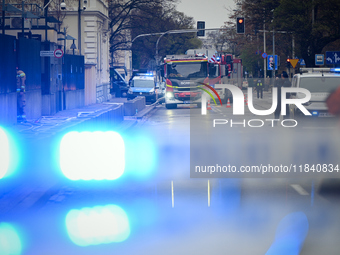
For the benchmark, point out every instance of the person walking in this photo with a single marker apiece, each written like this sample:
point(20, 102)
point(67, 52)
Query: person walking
point(279, 83)
point(259, 88)
point(21, 100)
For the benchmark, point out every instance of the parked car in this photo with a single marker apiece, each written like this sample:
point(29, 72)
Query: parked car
point(119, 85)
point(320, 82)
point(144, 86)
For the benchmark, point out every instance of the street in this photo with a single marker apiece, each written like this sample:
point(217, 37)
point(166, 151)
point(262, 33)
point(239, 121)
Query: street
point(160, 205)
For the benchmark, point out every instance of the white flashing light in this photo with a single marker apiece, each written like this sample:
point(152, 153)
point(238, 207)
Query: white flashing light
point(4, 153)
point(92, 155)
point(336, 70)
point(315, 113)
point(200, 55)
point(10, 243)
point(97, 225)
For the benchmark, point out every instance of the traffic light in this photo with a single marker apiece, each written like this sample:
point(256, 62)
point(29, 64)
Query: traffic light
point(240, 25)
point(288, 63)
point(200, 25)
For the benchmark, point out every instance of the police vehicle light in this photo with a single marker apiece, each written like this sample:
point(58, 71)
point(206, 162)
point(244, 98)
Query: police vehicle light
point(337, 70)
point(97, 225)
point(92, 155)
point(218, 58)
point(10, 240)
point(314, 113)
point(4, 153)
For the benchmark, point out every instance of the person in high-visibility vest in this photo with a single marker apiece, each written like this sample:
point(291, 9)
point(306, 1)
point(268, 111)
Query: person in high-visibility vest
point(259, 88)
point(21, 101)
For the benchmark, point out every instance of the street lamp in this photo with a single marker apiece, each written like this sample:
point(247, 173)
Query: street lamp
point(80, 9)
point(79, 22)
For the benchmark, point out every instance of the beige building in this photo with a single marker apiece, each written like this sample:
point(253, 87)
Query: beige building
point(93, 43)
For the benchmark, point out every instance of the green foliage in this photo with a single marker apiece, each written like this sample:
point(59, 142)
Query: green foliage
point(312, 33)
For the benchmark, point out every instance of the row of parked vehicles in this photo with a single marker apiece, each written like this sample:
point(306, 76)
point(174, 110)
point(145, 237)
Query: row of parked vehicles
point(141, 84)
point(176, 86)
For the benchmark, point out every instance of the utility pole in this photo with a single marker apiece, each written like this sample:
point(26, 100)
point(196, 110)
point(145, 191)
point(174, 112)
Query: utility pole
point(79, 28)
point(273, 71)
point(3, 17)
point(264, 50)
point(23, 19)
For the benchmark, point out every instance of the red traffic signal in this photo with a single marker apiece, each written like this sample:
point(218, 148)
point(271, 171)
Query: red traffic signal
point(240, 29)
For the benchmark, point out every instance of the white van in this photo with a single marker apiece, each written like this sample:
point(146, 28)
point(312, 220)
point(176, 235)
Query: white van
point(320, 82)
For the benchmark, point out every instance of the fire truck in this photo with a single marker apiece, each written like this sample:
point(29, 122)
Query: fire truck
point(227, 62)
point(219, 70)
point(184, 76)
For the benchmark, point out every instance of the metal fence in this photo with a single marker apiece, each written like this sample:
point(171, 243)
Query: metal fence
point(29, 61)
point(73, 72)
point(7, 64)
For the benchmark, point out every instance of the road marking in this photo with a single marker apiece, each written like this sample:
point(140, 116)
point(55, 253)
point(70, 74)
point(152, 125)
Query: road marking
point(208, 193)
point(328, 128)
point(299, 189)
point(172, 194)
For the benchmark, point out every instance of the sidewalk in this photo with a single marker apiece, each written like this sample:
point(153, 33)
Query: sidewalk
point(110, 113)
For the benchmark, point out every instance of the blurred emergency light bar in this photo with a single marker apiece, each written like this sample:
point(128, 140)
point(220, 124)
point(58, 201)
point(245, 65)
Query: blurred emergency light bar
point(10, 240)
point(92, 155)
point(4, 153)
point(97, 225)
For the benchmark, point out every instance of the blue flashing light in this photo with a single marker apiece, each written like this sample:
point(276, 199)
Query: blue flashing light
point(10, 243)
point(97, 225)
point(218, 58)
point(145, 74)
point(4, 153)
point(92, 155)
point(141, 160)
point(290, 235)
point(337, 70)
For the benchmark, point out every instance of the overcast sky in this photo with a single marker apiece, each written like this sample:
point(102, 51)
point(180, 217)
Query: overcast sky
point(213, 12)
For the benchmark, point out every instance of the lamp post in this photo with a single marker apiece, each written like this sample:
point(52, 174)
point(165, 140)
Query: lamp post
point(79, 27)
point(80, 9)
point(3, 16)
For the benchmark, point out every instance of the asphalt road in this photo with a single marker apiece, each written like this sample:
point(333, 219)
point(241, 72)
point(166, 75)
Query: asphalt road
point(161, 206)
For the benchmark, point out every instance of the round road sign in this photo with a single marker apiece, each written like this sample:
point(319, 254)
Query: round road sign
point(58, 53)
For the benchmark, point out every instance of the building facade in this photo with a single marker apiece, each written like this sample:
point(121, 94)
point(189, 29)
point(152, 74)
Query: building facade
point(92, 36)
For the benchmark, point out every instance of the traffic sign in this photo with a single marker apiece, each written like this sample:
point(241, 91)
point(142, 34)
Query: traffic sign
point(47, 53)
point(264, 55)
point(319, 59)
point(332, 57)
point(294, 61)
point(271, 60)
point(58, 53)
point(302, 62)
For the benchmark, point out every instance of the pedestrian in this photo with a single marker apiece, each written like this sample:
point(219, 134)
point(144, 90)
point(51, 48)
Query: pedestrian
point(21, 101)
point(279, 83)
point(259, 88)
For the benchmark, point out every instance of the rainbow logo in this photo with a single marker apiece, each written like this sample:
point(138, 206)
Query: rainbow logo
point(209, 93)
